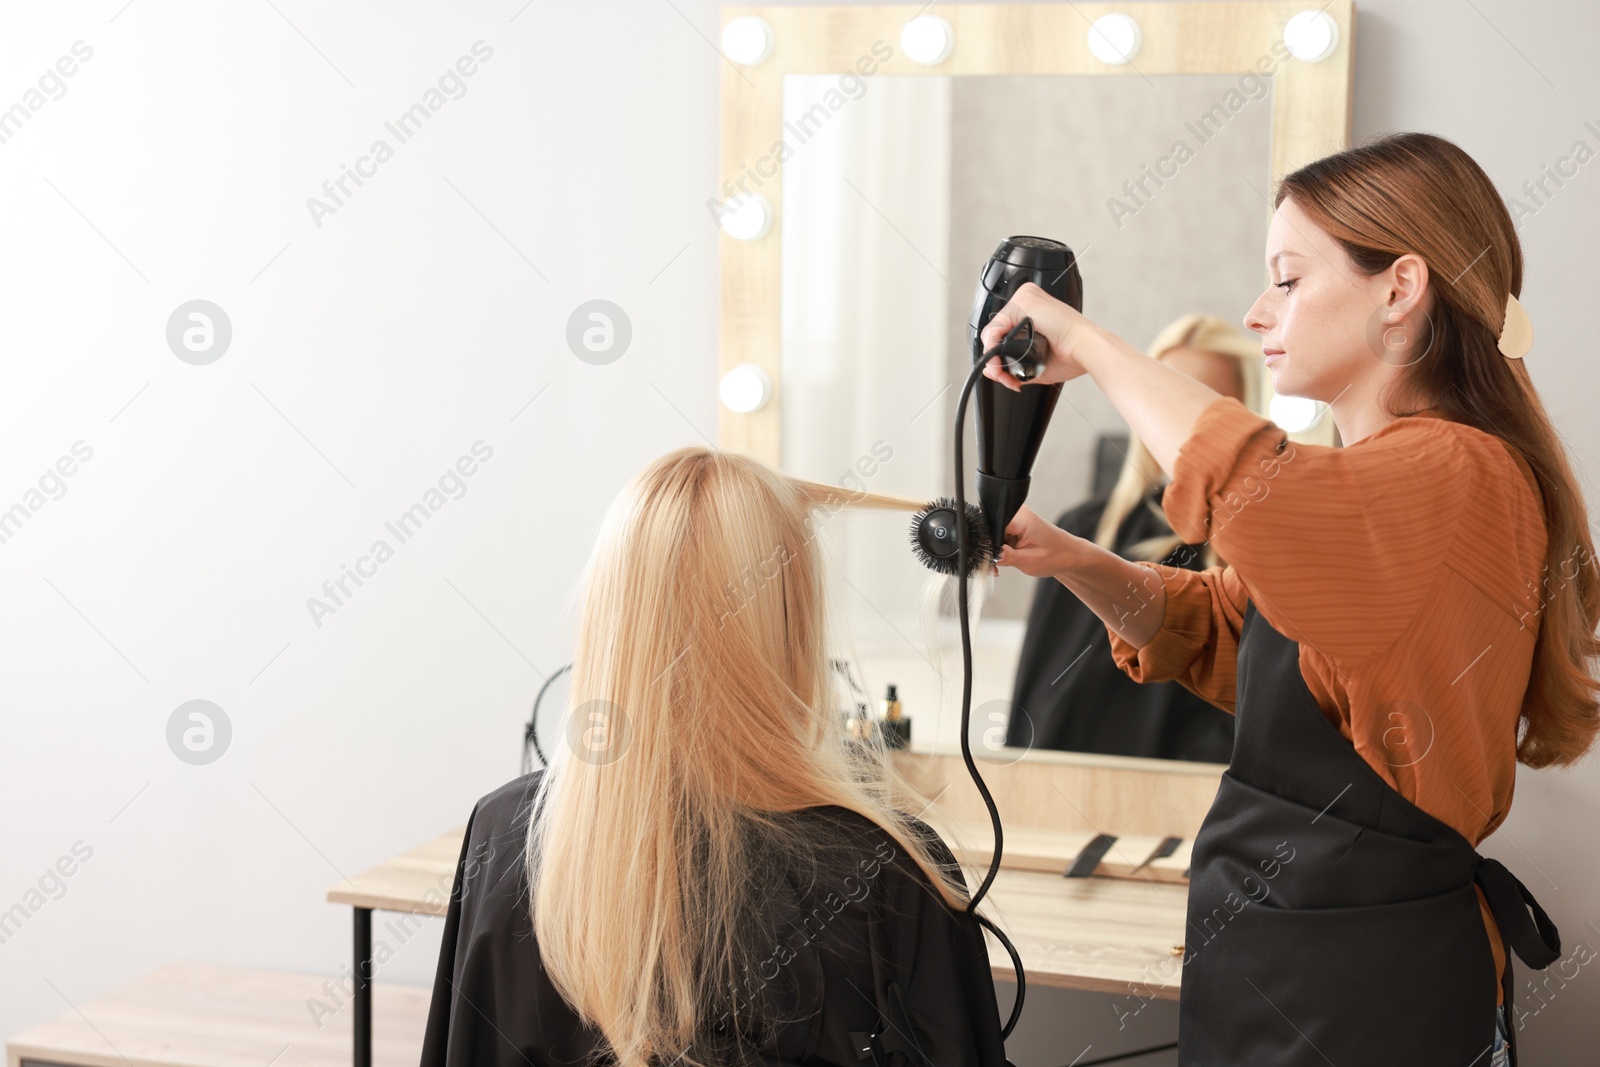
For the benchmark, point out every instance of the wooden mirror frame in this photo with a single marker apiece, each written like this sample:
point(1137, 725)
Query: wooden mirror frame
point(1310, 118)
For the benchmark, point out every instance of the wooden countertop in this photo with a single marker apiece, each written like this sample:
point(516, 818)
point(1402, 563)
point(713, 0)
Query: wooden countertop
point(417, 880)
point(1108, 934)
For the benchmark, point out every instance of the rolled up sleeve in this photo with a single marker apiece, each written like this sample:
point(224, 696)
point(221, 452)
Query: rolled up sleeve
point(1198, 643)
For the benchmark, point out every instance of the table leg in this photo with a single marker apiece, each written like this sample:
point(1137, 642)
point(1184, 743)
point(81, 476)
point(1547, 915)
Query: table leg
point(362, 1003)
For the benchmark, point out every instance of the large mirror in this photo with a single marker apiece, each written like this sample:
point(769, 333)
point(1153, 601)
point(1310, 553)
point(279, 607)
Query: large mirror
point(895, 189)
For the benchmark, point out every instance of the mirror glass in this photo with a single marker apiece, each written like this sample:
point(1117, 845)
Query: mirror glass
point(895, 192)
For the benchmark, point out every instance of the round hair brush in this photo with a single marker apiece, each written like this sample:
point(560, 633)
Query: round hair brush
point(933, 537)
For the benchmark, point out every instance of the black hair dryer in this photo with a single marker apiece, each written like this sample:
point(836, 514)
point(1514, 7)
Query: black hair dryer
point(1011, 425)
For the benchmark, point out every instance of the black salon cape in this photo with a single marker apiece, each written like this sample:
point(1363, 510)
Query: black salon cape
point(494, 1006)
point(1069, 692)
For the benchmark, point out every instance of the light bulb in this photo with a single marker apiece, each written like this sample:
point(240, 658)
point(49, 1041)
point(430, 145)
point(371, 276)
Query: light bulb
point(1311, 36)
point(1115, 39)
point(748, 40)
point(747, 217)
point(1293, 413)
point(745, 388)
point(927, 39)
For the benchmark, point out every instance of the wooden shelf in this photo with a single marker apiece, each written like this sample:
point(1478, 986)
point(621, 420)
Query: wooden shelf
point(1032, 848)
point(195, 1015)
point(1068, 791)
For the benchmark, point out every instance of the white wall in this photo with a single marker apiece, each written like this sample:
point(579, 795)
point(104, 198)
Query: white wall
point(372, 351)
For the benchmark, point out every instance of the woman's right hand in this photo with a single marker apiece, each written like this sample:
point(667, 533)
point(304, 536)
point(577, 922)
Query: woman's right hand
point(1035, 547)
point(1063, 327)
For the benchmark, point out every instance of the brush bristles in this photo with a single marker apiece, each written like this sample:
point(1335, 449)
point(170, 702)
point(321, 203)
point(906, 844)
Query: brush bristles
point(980, 546)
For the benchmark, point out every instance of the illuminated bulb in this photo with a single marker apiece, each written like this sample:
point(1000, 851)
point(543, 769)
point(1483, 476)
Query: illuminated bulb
point(1311, 35)
point(746, 388)
point(1115, 39)
point(927, 39)
point(747, 217)
point(1293, 413)
point(748, 40)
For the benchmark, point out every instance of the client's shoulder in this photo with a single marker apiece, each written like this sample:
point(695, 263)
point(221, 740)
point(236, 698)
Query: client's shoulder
point(870, 842)
point(852, 821)
point(508, 805)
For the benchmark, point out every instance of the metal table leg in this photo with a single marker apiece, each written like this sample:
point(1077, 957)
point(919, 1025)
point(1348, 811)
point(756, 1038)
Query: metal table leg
point(362, 1002)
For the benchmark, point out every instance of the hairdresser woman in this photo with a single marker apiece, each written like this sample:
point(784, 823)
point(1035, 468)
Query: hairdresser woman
point(1402, 619)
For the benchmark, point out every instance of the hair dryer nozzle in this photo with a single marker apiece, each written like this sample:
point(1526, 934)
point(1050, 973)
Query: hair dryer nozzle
point(1001, 498)
point(934, 532)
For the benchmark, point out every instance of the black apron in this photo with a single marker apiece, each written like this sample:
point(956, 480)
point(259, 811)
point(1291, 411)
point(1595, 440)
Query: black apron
point(1330, 920)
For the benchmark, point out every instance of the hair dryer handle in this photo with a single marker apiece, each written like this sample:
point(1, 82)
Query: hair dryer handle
point(1011, 425)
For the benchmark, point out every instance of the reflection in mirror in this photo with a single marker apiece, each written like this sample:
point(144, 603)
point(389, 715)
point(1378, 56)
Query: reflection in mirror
point(894, 195)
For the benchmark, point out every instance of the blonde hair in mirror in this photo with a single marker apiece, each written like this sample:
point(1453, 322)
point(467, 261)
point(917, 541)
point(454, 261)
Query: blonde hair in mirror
point(1141, 473)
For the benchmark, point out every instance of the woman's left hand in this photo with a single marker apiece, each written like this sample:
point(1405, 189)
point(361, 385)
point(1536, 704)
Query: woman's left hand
point(1062, 326)
point(1035, 546)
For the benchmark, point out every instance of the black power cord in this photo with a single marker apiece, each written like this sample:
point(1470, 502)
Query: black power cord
point(998, 538)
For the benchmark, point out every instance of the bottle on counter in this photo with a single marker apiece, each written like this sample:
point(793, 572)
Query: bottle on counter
point(895, 724)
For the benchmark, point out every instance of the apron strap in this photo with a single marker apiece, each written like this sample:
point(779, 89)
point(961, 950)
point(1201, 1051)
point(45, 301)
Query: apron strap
point(1536, 940)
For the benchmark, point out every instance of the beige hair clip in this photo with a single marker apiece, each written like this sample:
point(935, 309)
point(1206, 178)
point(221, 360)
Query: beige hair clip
point(1516, 335)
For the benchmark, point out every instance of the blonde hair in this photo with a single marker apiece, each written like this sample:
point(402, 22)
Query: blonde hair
point(1140, 471)
point(702, 662)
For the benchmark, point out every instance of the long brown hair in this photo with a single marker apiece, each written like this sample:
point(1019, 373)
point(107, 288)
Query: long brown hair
point(1418, 193)
point(700, 715)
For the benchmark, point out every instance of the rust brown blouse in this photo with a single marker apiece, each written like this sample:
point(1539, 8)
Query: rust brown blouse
point(1406, 565)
